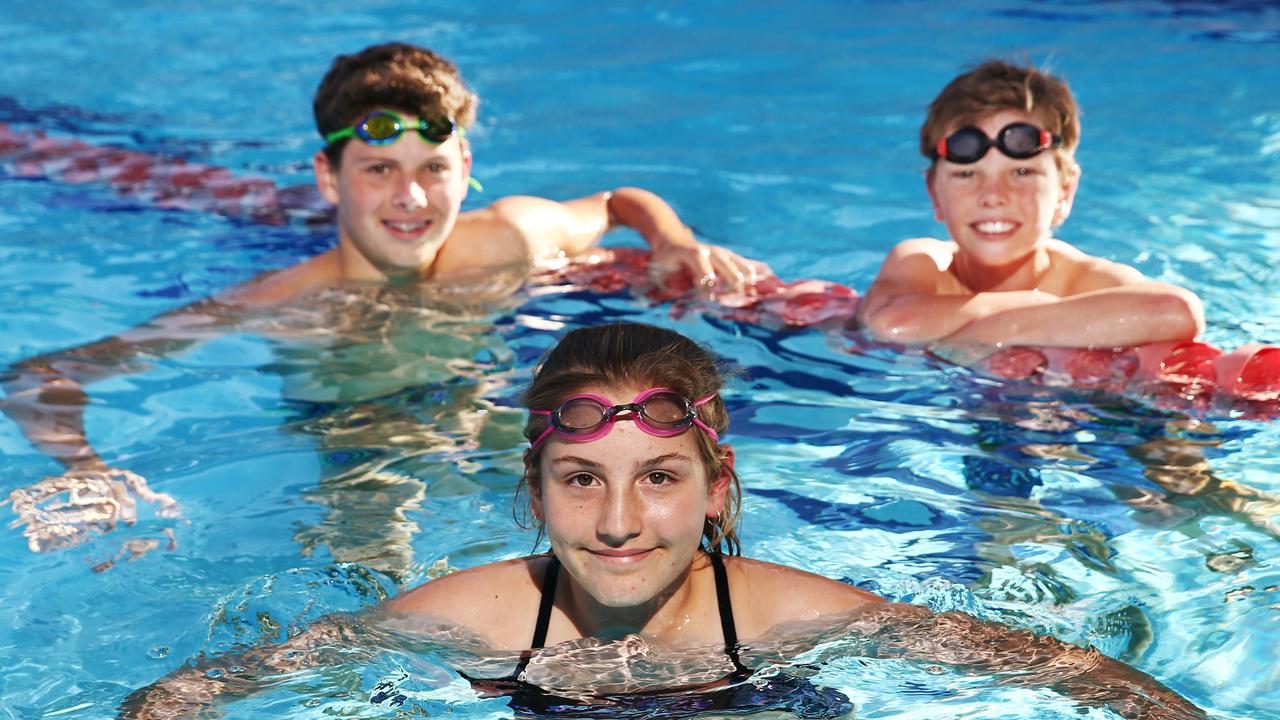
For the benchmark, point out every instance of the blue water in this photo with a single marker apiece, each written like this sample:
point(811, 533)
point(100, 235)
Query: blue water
point(785, 131)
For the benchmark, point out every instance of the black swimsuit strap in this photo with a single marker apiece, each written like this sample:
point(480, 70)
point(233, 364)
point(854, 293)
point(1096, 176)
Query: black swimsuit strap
point(727, 626)
point(723, 602)
point(548, 601)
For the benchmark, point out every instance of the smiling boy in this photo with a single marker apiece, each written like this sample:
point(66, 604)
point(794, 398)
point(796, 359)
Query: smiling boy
point(1001, 139)
point(397, 164)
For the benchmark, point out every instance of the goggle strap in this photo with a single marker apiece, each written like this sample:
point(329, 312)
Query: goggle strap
point(715, 436)
point(336, 135)
point(550, 427)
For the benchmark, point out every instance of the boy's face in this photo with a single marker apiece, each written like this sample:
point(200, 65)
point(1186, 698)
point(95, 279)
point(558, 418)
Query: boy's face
point(397, 203)
point(1000, 209)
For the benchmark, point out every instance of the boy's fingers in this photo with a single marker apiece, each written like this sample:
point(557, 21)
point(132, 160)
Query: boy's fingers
point(704, 268)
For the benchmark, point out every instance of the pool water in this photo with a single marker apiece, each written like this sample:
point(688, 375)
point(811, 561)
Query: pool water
point(319, 472)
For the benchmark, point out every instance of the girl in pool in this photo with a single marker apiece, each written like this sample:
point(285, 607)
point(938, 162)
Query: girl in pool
point(628, 480)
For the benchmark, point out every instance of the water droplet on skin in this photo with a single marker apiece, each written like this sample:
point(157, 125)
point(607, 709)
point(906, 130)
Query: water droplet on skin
point(215, 674)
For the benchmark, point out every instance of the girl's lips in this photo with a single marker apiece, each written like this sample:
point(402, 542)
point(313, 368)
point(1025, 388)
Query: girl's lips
point(621, 557)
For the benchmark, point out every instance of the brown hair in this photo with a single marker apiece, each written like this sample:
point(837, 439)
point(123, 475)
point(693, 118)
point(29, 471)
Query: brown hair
point(394, 76)
point(644, 356)
point(996, 85)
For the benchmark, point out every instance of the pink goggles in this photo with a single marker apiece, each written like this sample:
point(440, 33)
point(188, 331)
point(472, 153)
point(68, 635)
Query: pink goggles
point(656, 411)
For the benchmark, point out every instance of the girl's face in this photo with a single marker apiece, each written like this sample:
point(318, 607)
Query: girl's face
point(625, 512)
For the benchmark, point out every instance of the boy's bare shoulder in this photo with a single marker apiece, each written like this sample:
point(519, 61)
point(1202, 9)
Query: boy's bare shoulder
point(915, 262)
point(484, 238)
point(280, 286)
point(941, 252)
point(1079, 272)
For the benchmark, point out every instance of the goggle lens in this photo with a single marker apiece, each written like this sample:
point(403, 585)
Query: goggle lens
point(379, 128)
point(582, 415)
point(1019, 141)
point(666, 411)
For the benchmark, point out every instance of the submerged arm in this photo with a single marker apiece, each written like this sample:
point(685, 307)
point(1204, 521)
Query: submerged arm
point(45, 396)
point(955, 638)
point(331, 640)
point(186, 691)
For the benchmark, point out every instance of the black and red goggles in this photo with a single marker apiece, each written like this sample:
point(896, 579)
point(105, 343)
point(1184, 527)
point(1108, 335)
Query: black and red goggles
point(1019, 141)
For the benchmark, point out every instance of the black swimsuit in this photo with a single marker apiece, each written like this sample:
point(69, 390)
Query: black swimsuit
point(780, 692)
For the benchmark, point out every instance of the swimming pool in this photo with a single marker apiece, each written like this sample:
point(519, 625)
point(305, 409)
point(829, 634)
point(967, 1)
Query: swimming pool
point(788, 133)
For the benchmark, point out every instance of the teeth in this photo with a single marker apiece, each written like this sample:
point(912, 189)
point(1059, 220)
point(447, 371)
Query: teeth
point(994, 227)
point(404, 227)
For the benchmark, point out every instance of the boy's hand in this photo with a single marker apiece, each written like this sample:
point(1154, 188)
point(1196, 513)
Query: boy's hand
point(64, 510)
point(711, 268)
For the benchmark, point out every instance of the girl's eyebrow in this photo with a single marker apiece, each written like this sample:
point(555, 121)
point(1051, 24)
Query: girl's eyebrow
point(645, 464)
point(575, 460)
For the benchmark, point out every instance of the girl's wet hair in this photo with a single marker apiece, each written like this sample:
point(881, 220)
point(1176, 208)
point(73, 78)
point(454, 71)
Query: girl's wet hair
point(639, 356)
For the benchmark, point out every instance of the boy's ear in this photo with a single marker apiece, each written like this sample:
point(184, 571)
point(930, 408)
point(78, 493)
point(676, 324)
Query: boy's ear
point(1067, 193)
point(326, 176)
point(466, 162)
point(933, 196)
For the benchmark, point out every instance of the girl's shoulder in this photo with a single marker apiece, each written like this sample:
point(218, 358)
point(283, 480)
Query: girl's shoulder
point(766, 595)
point(497, 601)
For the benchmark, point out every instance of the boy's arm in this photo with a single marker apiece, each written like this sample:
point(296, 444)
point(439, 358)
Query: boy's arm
point(1122, 316)
point(549, 228)
point(1108, 304)
point(45, 396)
point(909, 301)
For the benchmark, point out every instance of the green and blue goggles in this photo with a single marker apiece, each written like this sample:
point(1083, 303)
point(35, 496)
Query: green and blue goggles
point(383, 127)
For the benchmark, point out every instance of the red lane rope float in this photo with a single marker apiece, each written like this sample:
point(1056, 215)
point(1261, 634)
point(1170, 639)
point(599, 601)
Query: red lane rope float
point(1185, 375)
point(1188, 375)
point(771, 302)
point(169, 183)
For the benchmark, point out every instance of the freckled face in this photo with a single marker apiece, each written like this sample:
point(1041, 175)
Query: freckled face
point(1000, 209)
point(397, 203)
point(625, 513)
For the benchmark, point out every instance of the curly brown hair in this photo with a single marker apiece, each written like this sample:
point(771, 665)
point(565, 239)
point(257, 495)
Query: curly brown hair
point(393, 76)
point(997, 85)
point(645, 356)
